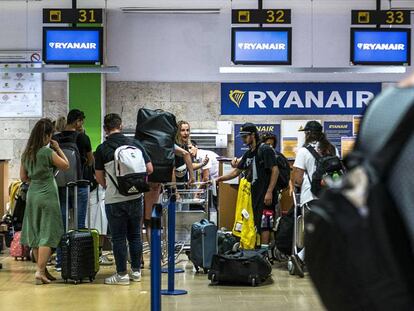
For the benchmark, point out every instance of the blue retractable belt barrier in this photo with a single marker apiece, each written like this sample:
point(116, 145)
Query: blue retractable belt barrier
point(171, 251)
point(156, 257)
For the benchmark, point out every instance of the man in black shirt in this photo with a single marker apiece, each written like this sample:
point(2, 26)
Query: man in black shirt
point(260, 168)
point(74, 132)
point(124, 213)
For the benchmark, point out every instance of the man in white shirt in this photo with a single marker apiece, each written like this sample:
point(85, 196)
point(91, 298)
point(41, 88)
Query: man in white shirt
point(304, 167)
point(210, 168)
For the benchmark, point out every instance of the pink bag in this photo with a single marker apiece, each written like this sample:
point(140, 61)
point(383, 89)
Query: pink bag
point(17, 250)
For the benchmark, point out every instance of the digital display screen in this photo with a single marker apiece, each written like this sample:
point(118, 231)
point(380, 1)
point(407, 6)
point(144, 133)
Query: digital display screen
point(72, 45)
point(380, 46)
point(268, 46)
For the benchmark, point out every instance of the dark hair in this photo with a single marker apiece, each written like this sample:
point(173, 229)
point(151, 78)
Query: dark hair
point(75, 115)
point(324, 147)
point(42, 129)
point(112, 121)
point(268, 135)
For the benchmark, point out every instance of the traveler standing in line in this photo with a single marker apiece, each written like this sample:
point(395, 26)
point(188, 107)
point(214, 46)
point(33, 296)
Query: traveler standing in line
point(42, 224)
point(124, 213)
point(262, 172)
point(60, 124)
point(182, 140)
point(303, 169)
point(74, 133)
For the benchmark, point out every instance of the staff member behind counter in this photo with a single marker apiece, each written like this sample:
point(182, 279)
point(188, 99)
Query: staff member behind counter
point(261, 170)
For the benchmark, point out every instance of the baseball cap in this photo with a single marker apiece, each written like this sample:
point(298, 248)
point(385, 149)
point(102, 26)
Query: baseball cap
point(247, 129)
point(312, 126)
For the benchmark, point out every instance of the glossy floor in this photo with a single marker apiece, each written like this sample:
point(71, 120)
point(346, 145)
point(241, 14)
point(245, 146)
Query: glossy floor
point(18, 292)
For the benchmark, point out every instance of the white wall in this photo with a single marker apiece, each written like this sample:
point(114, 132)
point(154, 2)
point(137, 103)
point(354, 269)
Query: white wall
point(193, 47)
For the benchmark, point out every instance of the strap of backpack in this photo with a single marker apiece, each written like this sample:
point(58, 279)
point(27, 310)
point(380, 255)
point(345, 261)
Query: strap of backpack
point(387, 156)
point(313, 152)
point(112, 179)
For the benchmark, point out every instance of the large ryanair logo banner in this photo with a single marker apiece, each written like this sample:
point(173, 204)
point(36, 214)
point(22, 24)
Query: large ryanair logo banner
point(297, 98)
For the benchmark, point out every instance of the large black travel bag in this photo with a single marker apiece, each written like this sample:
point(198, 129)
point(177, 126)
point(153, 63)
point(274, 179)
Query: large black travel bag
point(156, 130)
point(242, 267)
point(358, 251)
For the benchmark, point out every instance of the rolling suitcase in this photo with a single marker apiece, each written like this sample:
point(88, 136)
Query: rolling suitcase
point(203, 244)
point(243, 267)
point(80, 248)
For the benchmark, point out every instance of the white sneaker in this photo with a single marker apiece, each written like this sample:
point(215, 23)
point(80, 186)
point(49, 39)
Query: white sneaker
point(135, 276)
point(117, 279)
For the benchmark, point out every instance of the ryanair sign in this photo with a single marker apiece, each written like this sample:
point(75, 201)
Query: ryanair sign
point(297, 98)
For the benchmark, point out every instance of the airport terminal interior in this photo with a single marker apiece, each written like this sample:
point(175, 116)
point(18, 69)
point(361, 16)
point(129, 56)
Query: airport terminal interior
point(183, 155)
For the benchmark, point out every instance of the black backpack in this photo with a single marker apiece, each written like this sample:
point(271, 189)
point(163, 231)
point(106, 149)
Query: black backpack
point(325, 166)
point(156, 130)
point(282, 164)
point(284, 232)
point(69, 147)
point(358, 251)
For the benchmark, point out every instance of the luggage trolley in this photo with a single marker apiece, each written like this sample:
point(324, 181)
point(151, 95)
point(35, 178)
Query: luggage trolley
point(192, 205)
point(298, 229)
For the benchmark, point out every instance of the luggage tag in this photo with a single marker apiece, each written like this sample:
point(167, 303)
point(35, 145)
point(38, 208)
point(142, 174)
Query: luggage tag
point(245, 214)
point(238, 227)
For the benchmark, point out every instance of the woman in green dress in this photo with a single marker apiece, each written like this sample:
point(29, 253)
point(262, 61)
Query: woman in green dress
point(42, 223)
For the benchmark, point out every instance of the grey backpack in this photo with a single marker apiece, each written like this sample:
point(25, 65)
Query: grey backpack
point(71, 151)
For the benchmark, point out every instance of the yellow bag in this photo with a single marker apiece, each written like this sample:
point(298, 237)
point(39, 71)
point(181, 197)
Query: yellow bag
point(14, 189)
point(244, 227)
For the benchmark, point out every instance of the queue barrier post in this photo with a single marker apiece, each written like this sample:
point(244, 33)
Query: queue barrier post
point(171, 291)
point(156, 257)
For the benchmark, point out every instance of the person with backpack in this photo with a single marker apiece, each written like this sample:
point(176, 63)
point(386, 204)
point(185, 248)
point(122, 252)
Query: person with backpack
point(77, 147)
point(42, 222)
point(260, 169)
point(308, 172)
point(122, 167)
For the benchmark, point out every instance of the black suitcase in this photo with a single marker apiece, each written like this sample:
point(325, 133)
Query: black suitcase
point(243, 267)
point(78, 250)
point(156, 130)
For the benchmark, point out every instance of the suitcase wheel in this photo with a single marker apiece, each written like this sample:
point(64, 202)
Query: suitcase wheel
point(76, 282)
point(91, 279)
point(205, 270)
point(254, 282)
point(214, 279)
point(291, 267)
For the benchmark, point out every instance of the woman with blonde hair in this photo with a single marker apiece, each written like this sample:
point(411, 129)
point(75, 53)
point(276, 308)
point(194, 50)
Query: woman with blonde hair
point(42, 223)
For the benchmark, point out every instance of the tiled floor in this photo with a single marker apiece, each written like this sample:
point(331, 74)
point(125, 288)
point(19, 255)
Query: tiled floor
point(17, 292)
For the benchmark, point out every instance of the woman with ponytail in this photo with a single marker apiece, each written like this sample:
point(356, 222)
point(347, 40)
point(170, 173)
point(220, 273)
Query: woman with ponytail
point(42, 223)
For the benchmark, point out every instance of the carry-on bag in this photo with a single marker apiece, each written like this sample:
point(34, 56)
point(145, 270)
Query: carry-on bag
point(80, 248)
point(358, 248)
point(243, 267)
point(226, 242)
point(18, 250)
point(156, 130)
point(203, 244)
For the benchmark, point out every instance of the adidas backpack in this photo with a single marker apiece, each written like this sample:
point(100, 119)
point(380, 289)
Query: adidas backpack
point(130, 171)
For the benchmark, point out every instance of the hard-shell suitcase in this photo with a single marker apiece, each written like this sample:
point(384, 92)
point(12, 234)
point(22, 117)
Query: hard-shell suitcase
point(203, 244)
point(243, 267)
point(80, 248)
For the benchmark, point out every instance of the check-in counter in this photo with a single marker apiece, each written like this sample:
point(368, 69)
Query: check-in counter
point(228, 198)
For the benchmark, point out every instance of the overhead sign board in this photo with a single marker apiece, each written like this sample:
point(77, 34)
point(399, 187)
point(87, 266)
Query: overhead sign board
point(297, 98)
point(72, 16)
point(266, 16)
point(63, 45)
point(266, 46)
point(373, 17)
point(388, 46)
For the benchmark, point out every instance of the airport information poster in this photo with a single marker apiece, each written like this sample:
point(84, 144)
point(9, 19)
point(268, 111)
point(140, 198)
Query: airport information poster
point(336, 130)
point(20, 93)
point(292, 138)
point(240, 148)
